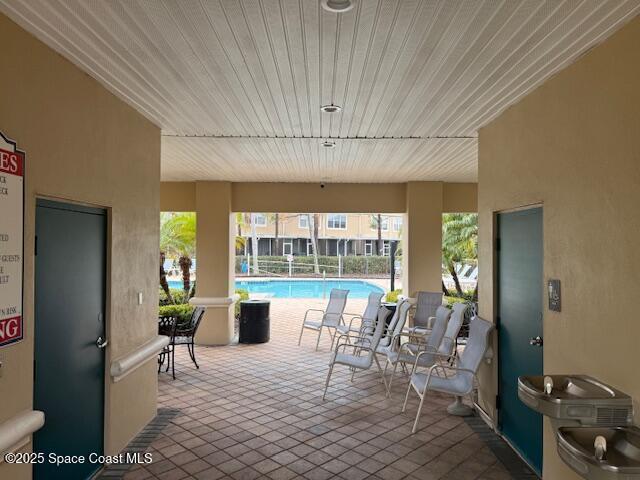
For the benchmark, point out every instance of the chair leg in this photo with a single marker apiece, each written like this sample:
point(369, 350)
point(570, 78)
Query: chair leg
point(318, 341)
point(173, 362)
point(300, 337)
point(406, 397)
point(393, 372)
point(415, 424)
point(333, 338)
point(171, 347)
point(380, 370)
point(192, 353)
point(326, 384)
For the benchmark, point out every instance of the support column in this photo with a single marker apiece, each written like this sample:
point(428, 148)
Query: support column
point(422, 238)
point(215, 257)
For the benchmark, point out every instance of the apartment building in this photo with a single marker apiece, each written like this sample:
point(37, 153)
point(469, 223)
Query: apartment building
point(347, 233)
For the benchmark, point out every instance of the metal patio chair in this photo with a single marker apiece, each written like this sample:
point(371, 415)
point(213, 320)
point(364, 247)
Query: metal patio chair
point(179, 334)
point(458, 379)
point(427, 304)
point(331, 318)
point(367, 319)
point(362, 350)
point(442, 341)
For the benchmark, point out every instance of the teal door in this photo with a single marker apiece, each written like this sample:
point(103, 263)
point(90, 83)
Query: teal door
point(520, 287)
point(69, 370)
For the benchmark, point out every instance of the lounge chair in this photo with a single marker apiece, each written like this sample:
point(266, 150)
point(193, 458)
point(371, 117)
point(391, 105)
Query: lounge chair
point(362, 350)
point(367, 319)
point(442, 341)
point(458, 379)
point(331, 317)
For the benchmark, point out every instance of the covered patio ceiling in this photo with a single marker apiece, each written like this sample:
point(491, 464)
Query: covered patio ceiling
point(237, 86)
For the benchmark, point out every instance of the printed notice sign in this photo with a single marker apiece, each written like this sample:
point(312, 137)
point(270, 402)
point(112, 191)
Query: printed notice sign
point(11, 241)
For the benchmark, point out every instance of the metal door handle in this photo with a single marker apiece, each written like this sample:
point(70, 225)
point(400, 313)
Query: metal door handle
point(100, 343)
point(536, 341)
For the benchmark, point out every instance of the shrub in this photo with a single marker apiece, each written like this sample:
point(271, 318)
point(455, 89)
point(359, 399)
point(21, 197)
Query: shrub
point(179, 297)
point(244, 295)
point(181, 312)
point(392, 296)
point(351, 265)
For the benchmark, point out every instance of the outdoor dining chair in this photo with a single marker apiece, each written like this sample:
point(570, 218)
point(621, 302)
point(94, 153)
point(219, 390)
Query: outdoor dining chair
point(367, 319)
point(362, 350)
point(457, 379)
point(331, 317)
point(441, 342)
point(179, 334)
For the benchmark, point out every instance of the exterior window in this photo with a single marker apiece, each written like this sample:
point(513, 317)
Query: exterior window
point(303, 221)
point(337, 221)
point(287, 247)
point(368, 247)
point(397, 224)
point(260, 219)
point(386, 248)
point(384, 222)
point(309, 248)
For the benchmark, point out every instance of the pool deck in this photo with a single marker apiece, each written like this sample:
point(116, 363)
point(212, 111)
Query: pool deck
point(256, 411)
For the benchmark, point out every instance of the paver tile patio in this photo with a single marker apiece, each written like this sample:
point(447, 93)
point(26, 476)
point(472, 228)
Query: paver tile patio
point(256, 411)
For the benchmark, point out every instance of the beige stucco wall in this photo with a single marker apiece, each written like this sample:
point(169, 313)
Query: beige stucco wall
point(84, 145)
point(573, 145)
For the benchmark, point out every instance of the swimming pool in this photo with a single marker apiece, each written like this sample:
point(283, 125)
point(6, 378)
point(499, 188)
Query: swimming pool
point(301, 288)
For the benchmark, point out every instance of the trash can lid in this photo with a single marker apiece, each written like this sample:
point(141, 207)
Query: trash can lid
point(255, 300)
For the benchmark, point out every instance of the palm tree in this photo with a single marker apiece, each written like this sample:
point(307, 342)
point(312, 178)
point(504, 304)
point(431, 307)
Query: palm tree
point(459, 243)
point(312, 223)
point(183, 230)
point(240, 240)
point(167, 246)
point(376, 222)
point(254, 243)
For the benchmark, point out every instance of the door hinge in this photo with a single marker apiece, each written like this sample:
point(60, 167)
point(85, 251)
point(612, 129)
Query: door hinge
point(35, 248)
point(498, 406)
point(497, 244)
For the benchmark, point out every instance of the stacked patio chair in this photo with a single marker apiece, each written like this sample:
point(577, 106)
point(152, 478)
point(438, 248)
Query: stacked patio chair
point(439, 345)
point(367, 319)
point(457, 379)
point(331, 317)
point(362, 350)
point(426, 306)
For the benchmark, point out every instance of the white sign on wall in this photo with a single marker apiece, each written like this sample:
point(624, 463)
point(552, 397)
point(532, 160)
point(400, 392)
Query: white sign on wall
point(11, 241)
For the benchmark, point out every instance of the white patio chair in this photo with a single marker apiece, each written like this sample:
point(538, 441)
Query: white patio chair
point(396, 324)
point(363, 350)
point(456, 380)
point(441, 341)
point(367, 319)
point(331, 316)
point(427, 305)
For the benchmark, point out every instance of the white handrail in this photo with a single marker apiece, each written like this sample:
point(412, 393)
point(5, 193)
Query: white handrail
point(14, 432)
point(124, 366)
point(214, 302)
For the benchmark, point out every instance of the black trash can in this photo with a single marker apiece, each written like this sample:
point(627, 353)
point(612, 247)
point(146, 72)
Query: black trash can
point(254, 321)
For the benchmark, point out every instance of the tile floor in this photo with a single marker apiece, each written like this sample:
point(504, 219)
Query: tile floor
point(255, 411)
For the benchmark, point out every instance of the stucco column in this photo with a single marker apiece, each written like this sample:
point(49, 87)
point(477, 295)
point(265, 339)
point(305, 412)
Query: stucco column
point(215, 259)
point(422, 238)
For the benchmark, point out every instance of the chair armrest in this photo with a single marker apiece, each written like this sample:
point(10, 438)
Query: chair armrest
point(312, 310)
point(358, 338)
point(441, 356)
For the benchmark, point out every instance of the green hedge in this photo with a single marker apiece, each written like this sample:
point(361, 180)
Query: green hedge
point(351, 265)
point(182, 312)
point(392, 297)
point(179, 296)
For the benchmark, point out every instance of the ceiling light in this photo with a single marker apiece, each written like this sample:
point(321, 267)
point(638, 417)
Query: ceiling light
point(337, 6)
point(328, 144)
point(331, 108)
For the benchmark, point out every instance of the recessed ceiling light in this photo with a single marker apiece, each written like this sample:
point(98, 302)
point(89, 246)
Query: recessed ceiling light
point(328, 144)
point(337, 6)
point(331, 108)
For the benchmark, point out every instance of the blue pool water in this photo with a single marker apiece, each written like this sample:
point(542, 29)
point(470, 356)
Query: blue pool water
point(302, 288)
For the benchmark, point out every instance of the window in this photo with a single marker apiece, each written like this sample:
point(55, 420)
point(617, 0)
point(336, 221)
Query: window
point(303, 221)
point(384, 223)
point(309, 248)
point(368, 247)
point(397, 224)
point(287, 247)
point(260, 219)
point(337, 221)
point(386, 248)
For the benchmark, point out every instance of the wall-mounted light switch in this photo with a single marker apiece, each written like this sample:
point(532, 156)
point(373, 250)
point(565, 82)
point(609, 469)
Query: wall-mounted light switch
point(139, 298)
